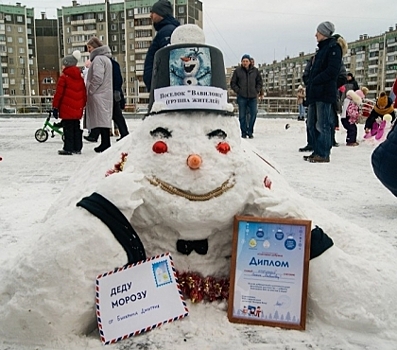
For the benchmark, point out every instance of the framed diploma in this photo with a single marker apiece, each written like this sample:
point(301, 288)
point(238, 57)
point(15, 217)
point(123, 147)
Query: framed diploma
point(269, 272)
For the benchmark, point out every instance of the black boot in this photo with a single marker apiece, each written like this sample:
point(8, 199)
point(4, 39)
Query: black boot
point(105, 140)
point(307, 148)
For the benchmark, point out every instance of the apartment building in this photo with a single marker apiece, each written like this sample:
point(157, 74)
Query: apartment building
point(31, 49)
point(372, 60)
point(126, 28)
point(18, 74)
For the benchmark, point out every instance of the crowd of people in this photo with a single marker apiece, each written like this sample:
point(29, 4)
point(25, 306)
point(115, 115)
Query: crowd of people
point(329, 92)
point(95, 94)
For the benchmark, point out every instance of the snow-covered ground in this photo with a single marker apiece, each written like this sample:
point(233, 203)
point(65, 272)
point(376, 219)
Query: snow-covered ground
point(32, 175)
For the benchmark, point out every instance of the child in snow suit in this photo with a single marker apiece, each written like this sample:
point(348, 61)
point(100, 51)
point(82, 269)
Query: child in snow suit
point(383, 106)
point(350, 115)
point(69, 102)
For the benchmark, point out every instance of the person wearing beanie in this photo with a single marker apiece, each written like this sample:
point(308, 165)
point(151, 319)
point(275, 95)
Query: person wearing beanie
point(69, 102)
point(322, 92)
point(247, 83)
point(164, 24)
point(99, 86)
point(326, 29)
point(384, 105)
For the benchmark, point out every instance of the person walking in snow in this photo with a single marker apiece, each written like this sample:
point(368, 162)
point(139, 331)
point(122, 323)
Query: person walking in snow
point(247, 83)
point(69, 101)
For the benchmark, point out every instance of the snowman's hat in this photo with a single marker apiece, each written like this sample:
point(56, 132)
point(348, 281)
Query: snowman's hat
point(188, 75)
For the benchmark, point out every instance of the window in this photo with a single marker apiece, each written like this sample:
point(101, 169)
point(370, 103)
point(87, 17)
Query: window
point(20, 29)
point(8, 18)
point(130, 13)
point(28, 20)
point(9, 39)
point(114, 37)
point(10, 49)
point(131, 35)
point(21, 50)
point(12, 92)
point(19, 19)
point(114, 48)
point(181, 9)
point(122, 26)
point(12, 81)
point(132, 57)
point(101, 27)
point(20, 40)
point(113, 27)
point(12, 71)
point(102, 38)
point(8, 28)
point(113, 16)
point(123, 48)
point(100, 16)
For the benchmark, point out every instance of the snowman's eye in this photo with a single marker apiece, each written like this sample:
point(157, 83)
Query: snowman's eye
point(161, 132)
point(217, 133)
point(223, 147)
point(160, 147)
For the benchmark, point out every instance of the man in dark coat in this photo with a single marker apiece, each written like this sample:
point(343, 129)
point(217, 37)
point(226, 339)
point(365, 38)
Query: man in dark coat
point(164, 24)
point(384, 160)
point(321, 92)
point(247, 83)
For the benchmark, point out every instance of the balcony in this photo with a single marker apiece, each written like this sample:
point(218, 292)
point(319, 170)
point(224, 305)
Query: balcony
point(83, 21)
point(89, 32)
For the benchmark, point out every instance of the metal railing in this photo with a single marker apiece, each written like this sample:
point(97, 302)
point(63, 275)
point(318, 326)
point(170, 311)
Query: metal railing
point(41, 104)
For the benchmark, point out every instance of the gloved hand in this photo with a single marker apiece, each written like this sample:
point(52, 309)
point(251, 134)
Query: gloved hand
point(55, 113)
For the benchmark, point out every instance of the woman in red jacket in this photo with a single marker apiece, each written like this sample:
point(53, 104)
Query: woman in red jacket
point(69, 102)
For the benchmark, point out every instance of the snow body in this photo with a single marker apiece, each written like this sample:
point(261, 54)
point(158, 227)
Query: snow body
point(48, 292)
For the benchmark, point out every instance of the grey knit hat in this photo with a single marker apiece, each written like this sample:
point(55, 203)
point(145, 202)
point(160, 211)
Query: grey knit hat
point(71, 60)
point(326, 29)
point(163, 8)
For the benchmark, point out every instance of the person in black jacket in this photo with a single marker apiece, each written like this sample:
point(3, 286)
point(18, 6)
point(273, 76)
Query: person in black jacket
point(164, 24)
point(247, 83)
point(384, 160)
point(321, 92)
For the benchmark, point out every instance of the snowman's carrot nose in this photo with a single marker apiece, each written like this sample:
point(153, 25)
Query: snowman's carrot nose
point(194, 161)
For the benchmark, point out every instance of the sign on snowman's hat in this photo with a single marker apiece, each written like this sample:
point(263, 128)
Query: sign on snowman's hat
point(189, 75)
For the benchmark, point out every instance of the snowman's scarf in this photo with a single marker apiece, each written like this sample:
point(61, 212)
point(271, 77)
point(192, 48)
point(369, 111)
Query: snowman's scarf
point(122, 230)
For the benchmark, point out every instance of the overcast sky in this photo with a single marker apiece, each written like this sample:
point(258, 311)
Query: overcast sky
point(270, 30)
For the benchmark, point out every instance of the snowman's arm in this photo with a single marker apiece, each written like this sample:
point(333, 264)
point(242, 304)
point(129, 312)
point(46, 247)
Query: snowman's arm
point(123, 190)
point(279, 206)
point(175, 73)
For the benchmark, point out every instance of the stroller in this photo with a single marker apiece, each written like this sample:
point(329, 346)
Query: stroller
point(41, 135)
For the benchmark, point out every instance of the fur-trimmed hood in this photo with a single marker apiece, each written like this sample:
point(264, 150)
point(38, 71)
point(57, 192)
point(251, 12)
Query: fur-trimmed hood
point(342, 43)
point(101, 50)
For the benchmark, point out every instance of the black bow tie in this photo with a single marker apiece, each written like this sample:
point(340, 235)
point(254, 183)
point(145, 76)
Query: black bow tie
point(186, 247)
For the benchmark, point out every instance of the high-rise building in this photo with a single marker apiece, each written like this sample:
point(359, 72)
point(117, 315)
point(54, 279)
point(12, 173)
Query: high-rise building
point(126, 28)
point(18, 76)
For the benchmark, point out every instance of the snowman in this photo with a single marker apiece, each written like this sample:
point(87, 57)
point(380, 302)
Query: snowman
point(179, 180)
